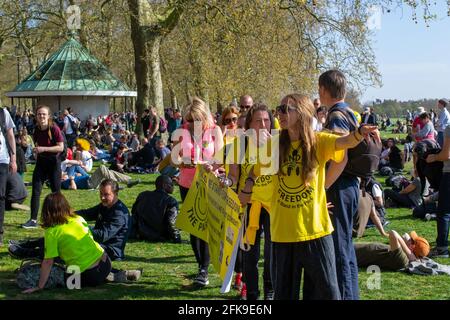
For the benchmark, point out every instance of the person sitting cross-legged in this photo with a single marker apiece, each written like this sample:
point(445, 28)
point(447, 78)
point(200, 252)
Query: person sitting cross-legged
point(154, 213)
point(110, 231)
point(68, 237)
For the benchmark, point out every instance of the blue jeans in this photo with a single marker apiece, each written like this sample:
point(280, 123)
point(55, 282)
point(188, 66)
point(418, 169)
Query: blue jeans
point(28, 153)
point(170, 171)
point(103, 154)
point(80, 181)
point(344, 194)
point(443, 215)
point(73, 170)
point(317, 258)
point(440, 138)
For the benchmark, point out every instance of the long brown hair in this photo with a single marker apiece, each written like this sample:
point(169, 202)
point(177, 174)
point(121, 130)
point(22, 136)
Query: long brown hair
point(50, 120)
point(55, 210)
point(305, 110)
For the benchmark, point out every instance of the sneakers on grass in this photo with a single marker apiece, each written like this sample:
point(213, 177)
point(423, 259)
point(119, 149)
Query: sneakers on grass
point(438, 253)
point(19, 206)
point(30, 224)
point(201, 279)
point(132, 183)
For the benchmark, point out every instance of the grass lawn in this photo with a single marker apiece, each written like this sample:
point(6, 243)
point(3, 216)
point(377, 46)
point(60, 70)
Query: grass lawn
point(170, 268)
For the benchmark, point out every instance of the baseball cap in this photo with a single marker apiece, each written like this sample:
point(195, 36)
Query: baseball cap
point(421, 245)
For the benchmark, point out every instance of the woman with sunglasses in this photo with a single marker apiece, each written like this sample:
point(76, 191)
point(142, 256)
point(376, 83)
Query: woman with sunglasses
point(258, 123)
point(229, 126)
point(299, 220)
point(199, 140)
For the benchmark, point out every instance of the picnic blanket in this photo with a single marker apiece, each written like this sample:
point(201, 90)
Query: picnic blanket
point(427, 267)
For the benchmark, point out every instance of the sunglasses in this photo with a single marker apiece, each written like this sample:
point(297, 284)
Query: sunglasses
point(245, 107)
point(229, 120)
point(284, 109)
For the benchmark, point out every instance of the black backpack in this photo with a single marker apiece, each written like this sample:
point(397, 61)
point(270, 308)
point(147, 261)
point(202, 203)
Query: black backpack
point(429, 171)
point(363, 159)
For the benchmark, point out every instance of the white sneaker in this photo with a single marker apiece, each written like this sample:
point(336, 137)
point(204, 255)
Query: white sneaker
point(430, 216)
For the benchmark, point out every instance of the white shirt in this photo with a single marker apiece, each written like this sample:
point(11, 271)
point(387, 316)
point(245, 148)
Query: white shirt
point(376, 191)
point(69, 129)
point(9, 123)
point(86, 158)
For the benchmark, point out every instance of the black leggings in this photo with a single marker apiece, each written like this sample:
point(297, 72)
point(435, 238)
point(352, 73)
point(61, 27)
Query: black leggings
point(96, 276)
point(45, 169)
point(200, 247)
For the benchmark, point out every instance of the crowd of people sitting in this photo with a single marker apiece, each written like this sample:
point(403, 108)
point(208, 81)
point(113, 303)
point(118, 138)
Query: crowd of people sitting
point(313, 234)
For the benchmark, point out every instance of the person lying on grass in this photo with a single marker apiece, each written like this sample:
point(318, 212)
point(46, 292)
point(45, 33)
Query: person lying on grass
point(395, 256)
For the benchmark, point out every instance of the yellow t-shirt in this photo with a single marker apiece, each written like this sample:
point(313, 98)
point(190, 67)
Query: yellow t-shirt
point(73, 242)
point(263, 188)
point(299, 212)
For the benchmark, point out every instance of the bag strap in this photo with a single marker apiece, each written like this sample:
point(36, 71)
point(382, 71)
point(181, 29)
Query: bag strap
point(346, 113)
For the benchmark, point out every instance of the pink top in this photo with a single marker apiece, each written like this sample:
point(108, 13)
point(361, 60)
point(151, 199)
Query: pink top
point(205, 151)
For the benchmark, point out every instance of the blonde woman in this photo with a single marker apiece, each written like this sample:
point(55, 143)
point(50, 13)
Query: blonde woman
point(196, 142)
point(300, 224)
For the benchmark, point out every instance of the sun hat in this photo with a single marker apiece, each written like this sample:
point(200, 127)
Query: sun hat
point(421, 110)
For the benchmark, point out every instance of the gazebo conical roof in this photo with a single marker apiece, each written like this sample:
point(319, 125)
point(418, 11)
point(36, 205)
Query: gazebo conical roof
point(71, 71)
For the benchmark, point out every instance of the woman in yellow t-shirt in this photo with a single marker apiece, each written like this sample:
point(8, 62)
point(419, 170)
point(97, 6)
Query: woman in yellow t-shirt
point(259, 121)
point(299, 221)
point(68, 237)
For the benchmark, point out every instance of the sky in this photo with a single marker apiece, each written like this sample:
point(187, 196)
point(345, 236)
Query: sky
point(413, 59)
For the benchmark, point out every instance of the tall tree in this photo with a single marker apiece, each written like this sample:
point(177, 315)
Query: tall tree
point(149, 25)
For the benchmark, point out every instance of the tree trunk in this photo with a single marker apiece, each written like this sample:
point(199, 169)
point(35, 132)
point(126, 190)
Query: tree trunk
point(141, 67)
point(157, 86)
point(173, 99)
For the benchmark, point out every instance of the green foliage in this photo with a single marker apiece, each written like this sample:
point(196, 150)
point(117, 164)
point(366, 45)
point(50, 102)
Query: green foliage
point(395, 108)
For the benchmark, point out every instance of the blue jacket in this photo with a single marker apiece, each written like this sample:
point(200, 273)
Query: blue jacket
point(111, 227)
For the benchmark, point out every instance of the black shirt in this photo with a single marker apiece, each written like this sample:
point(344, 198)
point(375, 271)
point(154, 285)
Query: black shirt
point(154, 214)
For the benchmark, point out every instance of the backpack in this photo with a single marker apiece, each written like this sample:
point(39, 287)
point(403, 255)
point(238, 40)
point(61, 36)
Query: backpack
point(428, 171)
point(3, 128)
point(62, 155)
point(397, 182)
point(162, 125)
point(363, 159)
point(29, 272)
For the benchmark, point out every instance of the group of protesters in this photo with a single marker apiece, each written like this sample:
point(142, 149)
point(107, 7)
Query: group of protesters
point(302, 205)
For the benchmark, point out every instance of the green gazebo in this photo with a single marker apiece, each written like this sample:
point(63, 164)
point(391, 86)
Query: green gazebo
point(72, 77)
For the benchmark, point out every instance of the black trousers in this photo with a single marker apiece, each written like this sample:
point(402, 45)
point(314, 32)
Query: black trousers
point(3, 178)
point(316, 258)
point(48, 168)
point(200, 247)
point(96, 276)
point(251, 258)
